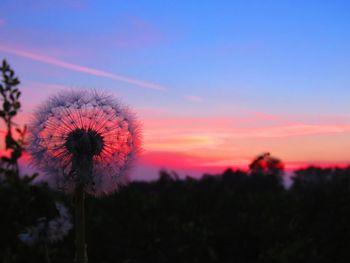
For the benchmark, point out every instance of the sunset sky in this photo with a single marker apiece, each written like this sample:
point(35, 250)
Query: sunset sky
point(214, 83)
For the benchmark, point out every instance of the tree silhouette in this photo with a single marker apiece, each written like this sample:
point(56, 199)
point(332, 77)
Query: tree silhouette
point(266, 164)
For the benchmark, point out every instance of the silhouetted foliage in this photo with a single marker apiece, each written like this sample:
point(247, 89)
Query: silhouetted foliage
point(22, 203)
point(10, 106)
point(233, 217)
point(266, 164)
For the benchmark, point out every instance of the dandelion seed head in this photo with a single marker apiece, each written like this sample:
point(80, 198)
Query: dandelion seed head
point(79, 123)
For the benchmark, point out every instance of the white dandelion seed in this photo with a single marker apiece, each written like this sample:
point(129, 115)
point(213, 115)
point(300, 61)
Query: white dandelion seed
point(48, 231)
point(84, 138)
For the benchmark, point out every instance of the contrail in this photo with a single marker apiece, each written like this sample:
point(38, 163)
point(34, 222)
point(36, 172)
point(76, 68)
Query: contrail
point(75, 67)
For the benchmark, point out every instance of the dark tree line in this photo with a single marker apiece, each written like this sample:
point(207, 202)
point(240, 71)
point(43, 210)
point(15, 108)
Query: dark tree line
point(232, 217)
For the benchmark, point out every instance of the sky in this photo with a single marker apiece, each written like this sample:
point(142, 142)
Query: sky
point(214, 83)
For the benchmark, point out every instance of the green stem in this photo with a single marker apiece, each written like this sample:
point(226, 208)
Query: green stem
point(81, 255)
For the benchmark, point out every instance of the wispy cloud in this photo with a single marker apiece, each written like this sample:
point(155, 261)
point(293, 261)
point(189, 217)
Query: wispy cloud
point(79, 68)
point(293, 130)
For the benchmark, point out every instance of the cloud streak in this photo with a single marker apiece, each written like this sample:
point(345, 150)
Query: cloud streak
point(289, 131)
point(79, 68)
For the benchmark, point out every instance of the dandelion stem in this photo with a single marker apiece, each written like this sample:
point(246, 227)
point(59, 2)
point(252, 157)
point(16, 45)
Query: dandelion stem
point(47, 254)
point(81, 255)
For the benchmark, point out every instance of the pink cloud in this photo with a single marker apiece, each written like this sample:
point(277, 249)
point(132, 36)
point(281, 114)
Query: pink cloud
point(265, 125)
point(2, 22)
point(291, 130)
point(265, 116)
point(224, 140)
point(188, 123)
point(78, 68)
point(220, 143)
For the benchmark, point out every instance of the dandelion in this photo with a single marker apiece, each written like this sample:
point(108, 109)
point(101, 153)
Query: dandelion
point(83, 142)
point(84, 138)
